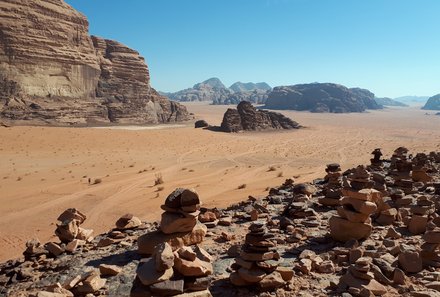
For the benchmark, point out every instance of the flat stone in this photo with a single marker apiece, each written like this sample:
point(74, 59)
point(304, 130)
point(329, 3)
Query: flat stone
point(236, 280)
point(197, 268)
point(198, 284)
point(186, 253)
point(204, 293)
point(344, 230)
point(285, 272)
point(253, 275)
point(258, 256)
point(148, 275)
point(243, 263)
point(109, 270)
point(168, 287)
point(364, 207)
point(147, 242)
point(352, 216)
point(91, 284)
point(128, 221)
point(54, 249)
point(202, 254)
point(176, 223)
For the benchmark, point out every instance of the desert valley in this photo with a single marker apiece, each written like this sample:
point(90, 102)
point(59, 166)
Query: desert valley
point(109, 187)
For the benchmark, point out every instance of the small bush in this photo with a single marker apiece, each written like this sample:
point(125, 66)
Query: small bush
point(272, 168)
point(97, 181)
point(159, 179)
point(280, 174)
point(241, 186)
point(160, 189)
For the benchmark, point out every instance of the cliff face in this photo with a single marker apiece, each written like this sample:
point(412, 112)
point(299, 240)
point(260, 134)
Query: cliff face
point(433, 103)
point(52, 71)
point(321, 97)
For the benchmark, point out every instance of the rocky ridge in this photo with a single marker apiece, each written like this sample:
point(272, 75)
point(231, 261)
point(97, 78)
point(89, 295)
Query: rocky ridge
point(215, 91)
point(278, 245)
point(385, 101)
point(321, 97)
point(247, 118)
point(433, 103)
point(53, 72)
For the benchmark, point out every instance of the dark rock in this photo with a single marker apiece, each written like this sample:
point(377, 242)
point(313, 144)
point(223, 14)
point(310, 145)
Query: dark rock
point(321, 97)
point(433, 103)
point(246, 117)
point(201, 124)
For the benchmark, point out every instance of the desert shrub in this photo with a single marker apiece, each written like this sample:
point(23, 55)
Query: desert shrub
point(241, 186)
point(272, 168)
point(280, 174)
point(159, 179)
point(97, 181)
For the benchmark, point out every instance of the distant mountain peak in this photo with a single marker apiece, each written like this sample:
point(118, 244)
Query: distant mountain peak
point(250, 86)
point(212, 82)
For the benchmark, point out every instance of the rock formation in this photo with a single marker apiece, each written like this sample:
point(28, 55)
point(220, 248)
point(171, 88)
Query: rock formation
point(215, 91)
point(53, 72)
point(332, 190)
point(433, 103)
point(321, 97)
point(247, 118)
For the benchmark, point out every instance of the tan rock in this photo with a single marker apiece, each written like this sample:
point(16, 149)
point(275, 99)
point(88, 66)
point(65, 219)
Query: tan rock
point(54, 249)
point(344, 230)
point(253, 275)
point(85, 234)
point(352, 216)
point(92, 283)
point(202, 254)
point(197, 268)
point(109, 270)
point(361, 206)
point(147, 273)
point(147, 242)
point(176, 223)
point(67, 231)
point(272, 281)
point(285, 272)
point(186, 253)
point(236, 280)
point(74, 244)
point(410, 261)
point(207, 216)
point(417, 224)
point(164, 256)
point(72, 214)
point(204, 293)
point(128, 221)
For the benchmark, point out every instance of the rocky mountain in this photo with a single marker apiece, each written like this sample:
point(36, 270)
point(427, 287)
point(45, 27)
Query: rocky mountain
point(389, 102)
point(412, 100)
point(215, 91)
point(247, 118)
point(53, 72)
point(433, 103)
point(246, 87)
point(321, 97)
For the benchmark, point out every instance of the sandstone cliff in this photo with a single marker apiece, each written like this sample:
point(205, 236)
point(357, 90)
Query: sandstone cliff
point(52, 71)
point(433, 103)
point(246, 117)
point(321, 97)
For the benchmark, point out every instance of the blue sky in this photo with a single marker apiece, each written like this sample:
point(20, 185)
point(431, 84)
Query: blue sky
point(391, 47)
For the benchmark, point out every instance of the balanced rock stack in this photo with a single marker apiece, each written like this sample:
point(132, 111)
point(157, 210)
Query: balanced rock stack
point(258, 263)
point(354, 220)
point(421, 166)
point(430, 253)
point(376, 161)
point(359, 280)
point(332, 191)
point(360, 179)
point(179, 224)
point(401, 167)
point(169, 273)
point(421, 212)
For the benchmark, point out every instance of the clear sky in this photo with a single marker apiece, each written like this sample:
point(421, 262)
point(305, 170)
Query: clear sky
point(391, 47)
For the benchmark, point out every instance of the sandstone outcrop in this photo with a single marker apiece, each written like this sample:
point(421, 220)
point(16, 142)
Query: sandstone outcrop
point(247, 118)
point(433, 103)
point(321, 97)
point(54, 72)
point(385, 101)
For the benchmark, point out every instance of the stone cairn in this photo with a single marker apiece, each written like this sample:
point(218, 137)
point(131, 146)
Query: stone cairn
point(169, 273)
point(179, 225)
point(69, 233)
point(421, 165)
point(401, 167)
point(332, 191)
point(430, 252)
point(359, 280)
point(258, 262)
point(360, 179)
point(353, 220)
point(420, 212)
point(376, 160)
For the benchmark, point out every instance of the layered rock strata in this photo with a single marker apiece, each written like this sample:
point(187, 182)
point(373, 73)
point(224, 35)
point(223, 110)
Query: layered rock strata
point(54, 72)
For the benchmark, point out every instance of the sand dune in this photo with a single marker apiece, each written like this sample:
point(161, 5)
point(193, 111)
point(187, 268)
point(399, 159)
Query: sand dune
point(44, 170)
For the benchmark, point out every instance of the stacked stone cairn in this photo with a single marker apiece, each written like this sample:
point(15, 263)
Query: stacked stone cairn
point(430, 253)
point(353, 220)
point(421, 166)
point(359, 280)
point(258, 262)
point(169, 273)
point(332, 191)
point(376, 160)
point(179, 224)
point(421, 211)
point(360, 179)
point(401, 167)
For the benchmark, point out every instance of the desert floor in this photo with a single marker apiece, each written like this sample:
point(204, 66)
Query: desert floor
point(44, 170)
